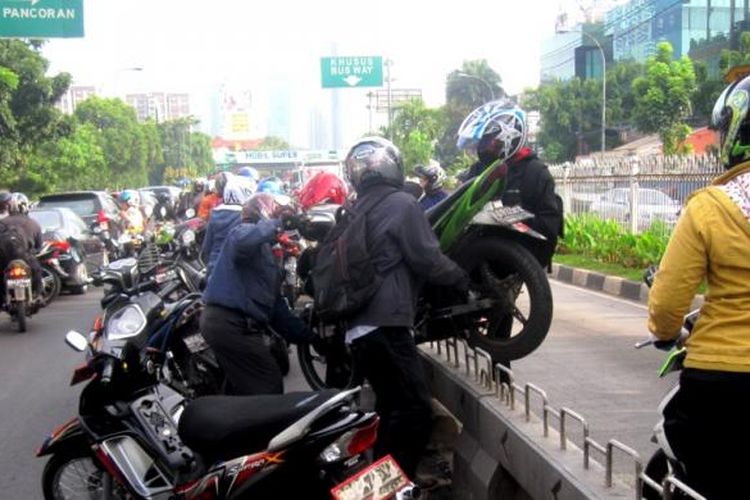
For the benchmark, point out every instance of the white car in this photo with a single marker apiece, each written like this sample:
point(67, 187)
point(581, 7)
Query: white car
point(652, 205)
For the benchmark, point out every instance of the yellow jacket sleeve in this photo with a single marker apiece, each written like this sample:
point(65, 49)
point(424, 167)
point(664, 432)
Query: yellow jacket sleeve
point(681, 271)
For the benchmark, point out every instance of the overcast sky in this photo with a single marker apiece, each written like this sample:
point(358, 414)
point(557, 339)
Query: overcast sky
point(195, 46)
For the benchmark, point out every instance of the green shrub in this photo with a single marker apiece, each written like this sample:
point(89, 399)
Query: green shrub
point(608, 242)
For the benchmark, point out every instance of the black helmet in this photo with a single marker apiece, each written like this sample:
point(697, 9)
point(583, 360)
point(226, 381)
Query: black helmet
point(374, 160)
point(433, 173)
point(730, 119)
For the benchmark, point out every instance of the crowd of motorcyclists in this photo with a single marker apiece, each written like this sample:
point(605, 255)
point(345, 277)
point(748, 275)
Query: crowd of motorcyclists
point(244, 217)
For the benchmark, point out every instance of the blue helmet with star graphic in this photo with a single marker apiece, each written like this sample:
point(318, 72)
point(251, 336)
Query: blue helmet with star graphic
point(495, 130)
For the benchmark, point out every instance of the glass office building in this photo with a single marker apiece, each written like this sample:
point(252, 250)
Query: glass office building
point(638, 26)
point(570, 54)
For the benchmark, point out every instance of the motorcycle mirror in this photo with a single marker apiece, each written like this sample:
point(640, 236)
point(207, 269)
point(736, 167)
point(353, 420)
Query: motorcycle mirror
point(649, 274)
point(189, 213)
point(76, 341)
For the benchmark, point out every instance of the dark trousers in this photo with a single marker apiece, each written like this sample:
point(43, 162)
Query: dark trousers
point(388, 359)
point(707, 426)
point(241, 351)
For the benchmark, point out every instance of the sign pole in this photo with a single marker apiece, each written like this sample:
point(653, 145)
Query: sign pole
point(388, 63)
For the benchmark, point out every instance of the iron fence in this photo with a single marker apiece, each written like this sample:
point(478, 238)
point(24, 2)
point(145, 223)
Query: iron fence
point(637, 193)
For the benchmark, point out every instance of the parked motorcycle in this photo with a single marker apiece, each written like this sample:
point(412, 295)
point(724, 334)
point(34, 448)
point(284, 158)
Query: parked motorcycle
point(663, 463)
point(174, 337)
point(63, 267)
point(510, 308)
point(19, 301)
point(135, 437)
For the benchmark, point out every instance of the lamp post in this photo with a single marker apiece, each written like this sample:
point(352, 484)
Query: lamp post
point(463, 74)
point(604, 81)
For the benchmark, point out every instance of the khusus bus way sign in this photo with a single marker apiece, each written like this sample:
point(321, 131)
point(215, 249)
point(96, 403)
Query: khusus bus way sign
point(41, 18)
point(364, 71)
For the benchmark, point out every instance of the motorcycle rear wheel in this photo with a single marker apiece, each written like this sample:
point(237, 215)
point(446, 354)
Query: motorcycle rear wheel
point(73, 474)
point(21, 316)
point(51, 285)
point(505, 271)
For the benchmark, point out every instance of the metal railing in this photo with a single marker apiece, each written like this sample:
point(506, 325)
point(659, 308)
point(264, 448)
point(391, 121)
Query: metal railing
point(490, 377)
point(637, 193)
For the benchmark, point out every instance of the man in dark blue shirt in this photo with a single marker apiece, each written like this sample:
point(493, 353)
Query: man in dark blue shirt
point(243, 296)
point(431, 178)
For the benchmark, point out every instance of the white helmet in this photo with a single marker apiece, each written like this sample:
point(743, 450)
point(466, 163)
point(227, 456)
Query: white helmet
point(496, 130)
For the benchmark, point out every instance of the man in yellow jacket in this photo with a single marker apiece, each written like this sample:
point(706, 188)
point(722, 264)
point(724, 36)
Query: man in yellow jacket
point(707, 418)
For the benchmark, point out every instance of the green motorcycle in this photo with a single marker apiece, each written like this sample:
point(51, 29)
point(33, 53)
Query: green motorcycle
point(509, 310)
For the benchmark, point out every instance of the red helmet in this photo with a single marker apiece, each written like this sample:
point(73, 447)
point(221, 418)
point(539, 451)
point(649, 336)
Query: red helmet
point(323, 187)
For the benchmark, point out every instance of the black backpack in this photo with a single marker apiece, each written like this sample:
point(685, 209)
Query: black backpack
point(13, 243)
point(344, 277)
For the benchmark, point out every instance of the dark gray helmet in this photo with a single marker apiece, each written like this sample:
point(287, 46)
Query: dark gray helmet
point(374, 160)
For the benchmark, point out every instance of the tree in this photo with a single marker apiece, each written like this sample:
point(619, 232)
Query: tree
point(706, 93)
point(186, 154)
point(570, 117)
point(127, 145)
point(273, 144)
point(467, 88)
point(415, 129)
point(28, 116)
point(731, 58)
point(662, 97)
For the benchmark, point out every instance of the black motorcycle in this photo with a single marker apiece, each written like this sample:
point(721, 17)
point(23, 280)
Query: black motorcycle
point(174, 337)
point(136, 438)
point(18, 297)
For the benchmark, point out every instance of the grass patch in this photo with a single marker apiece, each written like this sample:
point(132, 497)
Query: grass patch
point(591, 264)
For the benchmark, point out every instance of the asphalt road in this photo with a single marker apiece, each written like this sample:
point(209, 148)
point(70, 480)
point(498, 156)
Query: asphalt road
point(587, 363)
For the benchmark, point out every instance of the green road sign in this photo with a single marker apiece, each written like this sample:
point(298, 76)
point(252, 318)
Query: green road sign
point(41, 18)
point(364, 71)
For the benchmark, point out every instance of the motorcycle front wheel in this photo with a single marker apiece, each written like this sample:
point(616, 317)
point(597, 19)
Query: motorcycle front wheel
point(74, 475)
point(333, 371)
point(506, 273)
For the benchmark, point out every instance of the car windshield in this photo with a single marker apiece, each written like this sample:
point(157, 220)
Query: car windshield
point(81, 206)
point(48, 219)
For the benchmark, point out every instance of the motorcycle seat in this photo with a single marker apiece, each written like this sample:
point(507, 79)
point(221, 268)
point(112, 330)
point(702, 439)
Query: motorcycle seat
point(226, 427)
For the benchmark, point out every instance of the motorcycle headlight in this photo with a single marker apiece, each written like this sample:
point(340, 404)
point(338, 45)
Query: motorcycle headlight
point(125, 323)
point(188, 237)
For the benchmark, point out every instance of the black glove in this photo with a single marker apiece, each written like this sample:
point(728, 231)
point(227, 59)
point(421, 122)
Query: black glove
point(289, 219)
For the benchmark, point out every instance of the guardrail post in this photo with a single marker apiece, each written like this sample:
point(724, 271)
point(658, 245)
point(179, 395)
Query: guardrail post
point(634, 170)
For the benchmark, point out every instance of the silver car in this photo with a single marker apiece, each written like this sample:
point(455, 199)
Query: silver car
point(651, 205)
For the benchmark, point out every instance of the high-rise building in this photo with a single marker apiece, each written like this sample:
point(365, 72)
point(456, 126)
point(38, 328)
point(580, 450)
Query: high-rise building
point(574, 52)
point(74, 96)
point(638, 26)
point(160, 106)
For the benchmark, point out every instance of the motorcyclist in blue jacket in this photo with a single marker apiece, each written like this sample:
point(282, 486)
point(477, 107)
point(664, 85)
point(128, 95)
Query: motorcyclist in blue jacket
point(431, 178)
point(243, 296)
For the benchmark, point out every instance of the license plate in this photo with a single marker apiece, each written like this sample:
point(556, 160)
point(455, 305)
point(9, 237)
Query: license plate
point(381, 480)
point(18, 283)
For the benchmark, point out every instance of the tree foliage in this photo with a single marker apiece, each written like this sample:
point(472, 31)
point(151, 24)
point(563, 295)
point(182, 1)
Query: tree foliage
point(272, 143)
point(662, 97)
point(415, 129)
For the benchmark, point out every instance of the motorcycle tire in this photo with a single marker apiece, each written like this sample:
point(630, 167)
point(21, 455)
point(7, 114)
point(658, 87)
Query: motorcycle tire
point(21, 316)
point(82, 285)
point(81, 460)
point(320, 373)
point(502, 269)
point(51, 285)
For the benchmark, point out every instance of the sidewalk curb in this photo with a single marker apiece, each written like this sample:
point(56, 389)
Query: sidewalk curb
point(611, 285)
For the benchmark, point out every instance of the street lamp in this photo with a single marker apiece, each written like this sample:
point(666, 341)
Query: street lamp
point(463, 74)
point(604, 81)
